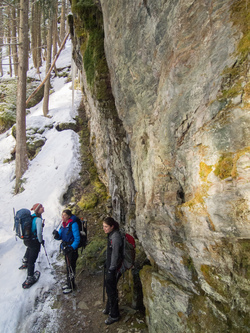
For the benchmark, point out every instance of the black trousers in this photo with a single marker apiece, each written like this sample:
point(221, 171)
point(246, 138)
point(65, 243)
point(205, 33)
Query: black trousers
point(31, 254)
point(112, 306)
point(70, 259)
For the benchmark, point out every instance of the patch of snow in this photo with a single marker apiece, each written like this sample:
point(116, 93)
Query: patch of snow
point(46, 181)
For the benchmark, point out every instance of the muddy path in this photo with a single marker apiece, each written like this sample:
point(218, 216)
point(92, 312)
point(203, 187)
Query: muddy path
point(81, 311)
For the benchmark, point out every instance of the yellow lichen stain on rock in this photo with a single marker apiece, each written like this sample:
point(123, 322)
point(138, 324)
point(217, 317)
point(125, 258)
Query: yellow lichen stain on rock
point(197, 203)
point(205, 171)
point(227, 164)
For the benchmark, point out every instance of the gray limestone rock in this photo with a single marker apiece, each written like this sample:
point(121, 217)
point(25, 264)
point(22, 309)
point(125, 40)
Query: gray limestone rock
point(174, 154)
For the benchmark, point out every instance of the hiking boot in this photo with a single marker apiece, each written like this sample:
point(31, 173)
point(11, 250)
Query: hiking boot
point(111, 320)
point(29, 282)
point(68, 290)
point(30, 279)
point(24, 266)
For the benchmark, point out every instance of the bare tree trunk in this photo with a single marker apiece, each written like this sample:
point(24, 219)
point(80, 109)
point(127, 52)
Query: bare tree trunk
point(34, 34)
point(48, 63)
point(18, 20)
point(62, 21)
point(21, 151)
point(14, 40)
point(1, 38)
point(68, 8)
point(9, 40)
point(55, 34)
point(39, 35)
point(44, 33)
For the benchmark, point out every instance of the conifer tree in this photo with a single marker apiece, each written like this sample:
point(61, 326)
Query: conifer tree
point(48, 60)
point(14, 39)
point(1, 38)
point(21, 151)
point(55, 33)
point(62, 21)
point(9, 39)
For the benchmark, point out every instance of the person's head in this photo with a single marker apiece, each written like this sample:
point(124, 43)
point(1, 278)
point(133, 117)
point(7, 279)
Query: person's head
point(109, 224)
point(66, 214)
point(38, 209)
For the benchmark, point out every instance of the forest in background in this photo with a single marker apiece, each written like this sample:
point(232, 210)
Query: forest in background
point(36, 29)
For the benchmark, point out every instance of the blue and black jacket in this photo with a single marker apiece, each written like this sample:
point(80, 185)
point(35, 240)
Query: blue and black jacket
point(69, 233)
point(37, 228)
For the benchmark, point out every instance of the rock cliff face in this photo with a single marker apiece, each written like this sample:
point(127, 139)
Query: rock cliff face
point(171, 143)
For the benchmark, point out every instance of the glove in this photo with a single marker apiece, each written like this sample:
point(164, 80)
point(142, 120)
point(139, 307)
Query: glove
point(67, 249)
point(42, 242)
point(55, 233)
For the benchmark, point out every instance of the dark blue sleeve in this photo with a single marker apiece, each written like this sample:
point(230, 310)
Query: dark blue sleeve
point(76, 234)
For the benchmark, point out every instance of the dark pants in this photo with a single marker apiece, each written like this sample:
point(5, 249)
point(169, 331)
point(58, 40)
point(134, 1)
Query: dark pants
point(70, 259)
point(31, 254)
point(112, 293)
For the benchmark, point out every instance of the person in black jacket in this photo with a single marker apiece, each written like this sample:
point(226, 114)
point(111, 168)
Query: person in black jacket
point(113, 262)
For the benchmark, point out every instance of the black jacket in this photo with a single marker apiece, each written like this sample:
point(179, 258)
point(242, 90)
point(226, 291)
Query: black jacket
point(114, 251)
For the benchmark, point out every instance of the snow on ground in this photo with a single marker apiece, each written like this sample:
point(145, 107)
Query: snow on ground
point(47, 179)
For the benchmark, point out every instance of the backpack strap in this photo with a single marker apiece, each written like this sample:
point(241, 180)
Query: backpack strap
point(70, 226)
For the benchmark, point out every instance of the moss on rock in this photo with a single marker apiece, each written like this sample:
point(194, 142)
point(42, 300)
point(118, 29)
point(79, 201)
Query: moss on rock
point(224, 166)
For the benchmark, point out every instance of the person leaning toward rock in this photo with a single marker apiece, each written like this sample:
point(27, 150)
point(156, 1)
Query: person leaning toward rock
point(113, 262)
point(33, 245)
point(70, 236)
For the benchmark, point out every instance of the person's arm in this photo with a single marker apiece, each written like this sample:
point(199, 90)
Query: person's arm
point(76, 234)
point(39, 229)
point(115, 256)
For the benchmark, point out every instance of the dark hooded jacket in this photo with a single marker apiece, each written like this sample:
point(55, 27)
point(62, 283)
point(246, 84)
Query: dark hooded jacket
point(114, 251)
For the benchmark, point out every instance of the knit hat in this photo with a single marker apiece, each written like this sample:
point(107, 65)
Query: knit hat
point(36, 207)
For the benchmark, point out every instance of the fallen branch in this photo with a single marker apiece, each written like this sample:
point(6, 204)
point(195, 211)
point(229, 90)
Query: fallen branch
point(48, 74)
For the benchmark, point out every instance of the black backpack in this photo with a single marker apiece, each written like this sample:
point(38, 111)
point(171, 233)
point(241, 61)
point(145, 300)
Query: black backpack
point(82, 226)
point(23, 224)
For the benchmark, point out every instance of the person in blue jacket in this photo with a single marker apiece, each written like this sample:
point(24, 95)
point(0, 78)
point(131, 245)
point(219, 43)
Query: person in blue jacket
point(70, 236)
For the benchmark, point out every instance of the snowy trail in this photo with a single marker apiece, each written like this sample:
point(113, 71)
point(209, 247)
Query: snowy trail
point(47, 179)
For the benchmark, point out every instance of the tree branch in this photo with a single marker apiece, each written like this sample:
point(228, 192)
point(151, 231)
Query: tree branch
point(48, 74)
